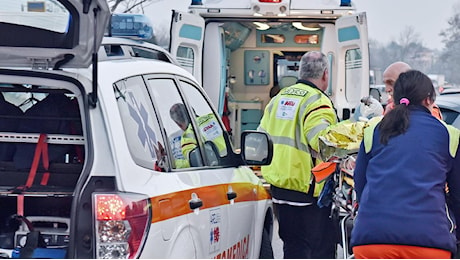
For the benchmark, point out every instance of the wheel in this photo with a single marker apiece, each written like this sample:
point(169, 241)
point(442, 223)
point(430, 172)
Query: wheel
point(266, 250)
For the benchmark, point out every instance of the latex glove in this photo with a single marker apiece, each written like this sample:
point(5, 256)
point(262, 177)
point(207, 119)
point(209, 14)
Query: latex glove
point(367, 109)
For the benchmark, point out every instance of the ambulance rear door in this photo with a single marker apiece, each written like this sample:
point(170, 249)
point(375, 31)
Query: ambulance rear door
point(186, 44)
point(188, 40)
point(353, 63)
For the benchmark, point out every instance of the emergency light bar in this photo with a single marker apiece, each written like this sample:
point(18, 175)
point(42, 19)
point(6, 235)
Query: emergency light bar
point(134, 26)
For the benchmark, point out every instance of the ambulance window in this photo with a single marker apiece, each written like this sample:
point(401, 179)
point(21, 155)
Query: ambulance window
point(306, 39)
point(272, 38)
point(185, 57)
point(176, 120)
point(353, 74)
point(141, 127)
point(210, 128)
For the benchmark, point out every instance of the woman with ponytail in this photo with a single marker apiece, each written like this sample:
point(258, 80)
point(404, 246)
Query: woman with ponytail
point(401, 171)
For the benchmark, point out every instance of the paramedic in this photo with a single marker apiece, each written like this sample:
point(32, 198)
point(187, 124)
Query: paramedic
point(402, 205)
point(210, 130)
point(178, 114)
point(295, 118)
point(390, 75)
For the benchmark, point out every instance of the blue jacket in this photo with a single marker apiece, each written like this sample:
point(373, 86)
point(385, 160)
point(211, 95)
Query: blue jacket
point(401, 186)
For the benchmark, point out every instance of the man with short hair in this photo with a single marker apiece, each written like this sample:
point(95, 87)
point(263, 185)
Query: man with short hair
point(390, 75)
point(295, 118)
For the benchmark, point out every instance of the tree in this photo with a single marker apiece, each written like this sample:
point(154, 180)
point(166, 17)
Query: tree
point(129, 6)
point(451, 53)
point(408, 48)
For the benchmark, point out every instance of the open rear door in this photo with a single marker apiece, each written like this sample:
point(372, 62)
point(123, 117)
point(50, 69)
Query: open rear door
point(353, 61)
point(187, 39)
point(186, 42)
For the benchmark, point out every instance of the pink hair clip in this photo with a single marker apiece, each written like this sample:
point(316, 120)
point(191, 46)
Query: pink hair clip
point(404, 101)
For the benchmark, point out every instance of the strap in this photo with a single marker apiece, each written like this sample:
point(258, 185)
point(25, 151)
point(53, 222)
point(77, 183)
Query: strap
point(34, 167)
point(41, 148)
point(20, 205)
point(46, 163)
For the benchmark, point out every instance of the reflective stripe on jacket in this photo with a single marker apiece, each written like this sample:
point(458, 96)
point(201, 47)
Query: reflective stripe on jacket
point(294, 119)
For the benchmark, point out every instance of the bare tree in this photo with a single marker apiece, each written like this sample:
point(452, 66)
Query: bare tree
point(450, 56)
point(130, 6)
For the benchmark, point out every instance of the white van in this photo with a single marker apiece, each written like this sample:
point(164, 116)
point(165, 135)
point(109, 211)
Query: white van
point(242, 48)
point(92, 163)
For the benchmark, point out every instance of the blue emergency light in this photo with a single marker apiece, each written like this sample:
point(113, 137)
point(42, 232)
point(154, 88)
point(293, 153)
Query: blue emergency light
point(345, 2)
point(134, 26)
point(197, 2)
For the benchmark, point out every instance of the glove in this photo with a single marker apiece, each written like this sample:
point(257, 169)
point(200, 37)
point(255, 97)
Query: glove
point(367, 109)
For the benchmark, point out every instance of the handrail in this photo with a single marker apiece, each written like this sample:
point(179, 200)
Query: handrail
point(33, 138)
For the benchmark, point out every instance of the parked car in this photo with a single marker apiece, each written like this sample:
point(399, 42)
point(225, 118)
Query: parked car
point(91, 158)
point(378, 92)
point(449, 103)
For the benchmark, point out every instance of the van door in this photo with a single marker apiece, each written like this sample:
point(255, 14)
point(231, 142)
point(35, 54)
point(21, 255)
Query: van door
point(353, 61)
point(186, 44)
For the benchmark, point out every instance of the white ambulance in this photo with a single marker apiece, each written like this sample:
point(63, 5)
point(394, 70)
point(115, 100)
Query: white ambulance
point(242, 48)
point(92, 163)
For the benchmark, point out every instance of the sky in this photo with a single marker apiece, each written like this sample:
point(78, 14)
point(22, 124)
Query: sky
point(386, 19)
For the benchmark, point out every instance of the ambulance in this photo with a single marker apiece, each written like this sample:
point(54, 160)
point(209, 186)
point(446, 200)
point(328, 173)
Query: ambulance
point(240, 49)
point(91, 159)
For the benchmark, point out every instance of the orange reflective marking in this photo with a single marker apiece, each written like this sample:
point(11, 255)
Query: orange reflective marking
point(176, 204)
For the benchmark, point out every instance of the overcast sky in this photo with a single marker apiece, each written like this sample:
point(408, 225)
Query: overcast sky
point(386, 19)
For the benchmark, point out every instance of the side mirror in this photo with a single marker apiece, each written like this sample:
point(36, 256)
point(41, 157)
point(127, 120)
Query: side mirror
point(256, 148)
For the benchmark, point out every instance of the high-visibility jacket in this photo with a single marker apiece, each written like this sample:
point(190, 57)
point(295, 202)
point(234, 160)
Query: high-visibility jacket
point(209, 129)
point(295, 118)
point(176, 148)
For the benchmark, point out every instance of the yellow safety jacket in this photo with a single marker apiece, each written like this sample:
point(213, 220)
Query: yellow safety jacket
point(295, 118)
point(210, 130)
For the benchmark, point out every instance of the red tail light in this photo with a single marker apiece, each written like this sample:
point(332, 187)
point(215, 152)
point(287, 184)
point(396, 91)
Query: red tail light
point(270, 1)
point(121, 223)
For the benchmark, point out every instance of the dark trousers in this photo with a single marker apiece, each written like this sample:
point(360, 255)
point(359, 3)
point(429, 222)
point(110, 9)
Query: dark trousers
point(307, 231)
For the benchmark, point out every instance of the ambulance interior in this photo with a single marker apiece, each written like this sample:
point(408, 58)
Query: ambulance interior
point(260, 55)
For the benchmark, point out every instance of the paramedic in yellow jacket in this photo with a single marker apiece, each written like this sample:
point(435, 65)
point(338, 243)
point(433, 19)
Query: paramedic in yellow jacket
point(294, 119)
point(210, 130)
point(178, 114)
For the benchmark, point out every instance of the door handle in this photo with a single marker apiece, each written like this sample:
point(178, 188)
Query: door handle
point(195, 202)
point(231, 195)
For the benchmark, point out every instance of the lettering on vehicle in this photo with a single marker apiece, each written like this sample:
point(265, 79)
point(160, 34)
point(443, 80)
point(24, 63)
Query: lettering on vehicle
point(215, 221)
point(239, 250)
point(296, 92)
point(287, 108)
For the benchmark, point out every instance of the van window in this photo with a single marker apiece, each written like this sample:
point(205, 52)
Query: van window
point(353, 72)
point(141, 127)
point(186, 57)
point(175, 119)
point(209, 126)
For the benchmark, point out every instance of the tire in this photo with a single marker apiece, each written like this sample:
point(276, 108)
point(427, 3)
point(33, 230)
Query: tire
point(266, 250)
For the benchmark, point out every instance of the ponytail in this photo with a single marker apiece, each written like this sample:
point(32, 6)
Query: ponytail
point(411, 89)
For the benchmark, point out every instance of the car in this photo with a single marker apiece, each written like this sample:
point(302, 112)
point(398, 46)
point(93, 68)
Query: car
point(449, 103)
point(92, 155)
point(378, 92)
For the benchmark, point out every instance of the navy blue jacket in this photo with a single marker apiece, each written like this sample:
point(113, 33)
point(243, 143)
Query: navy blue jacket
point(401, 187)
